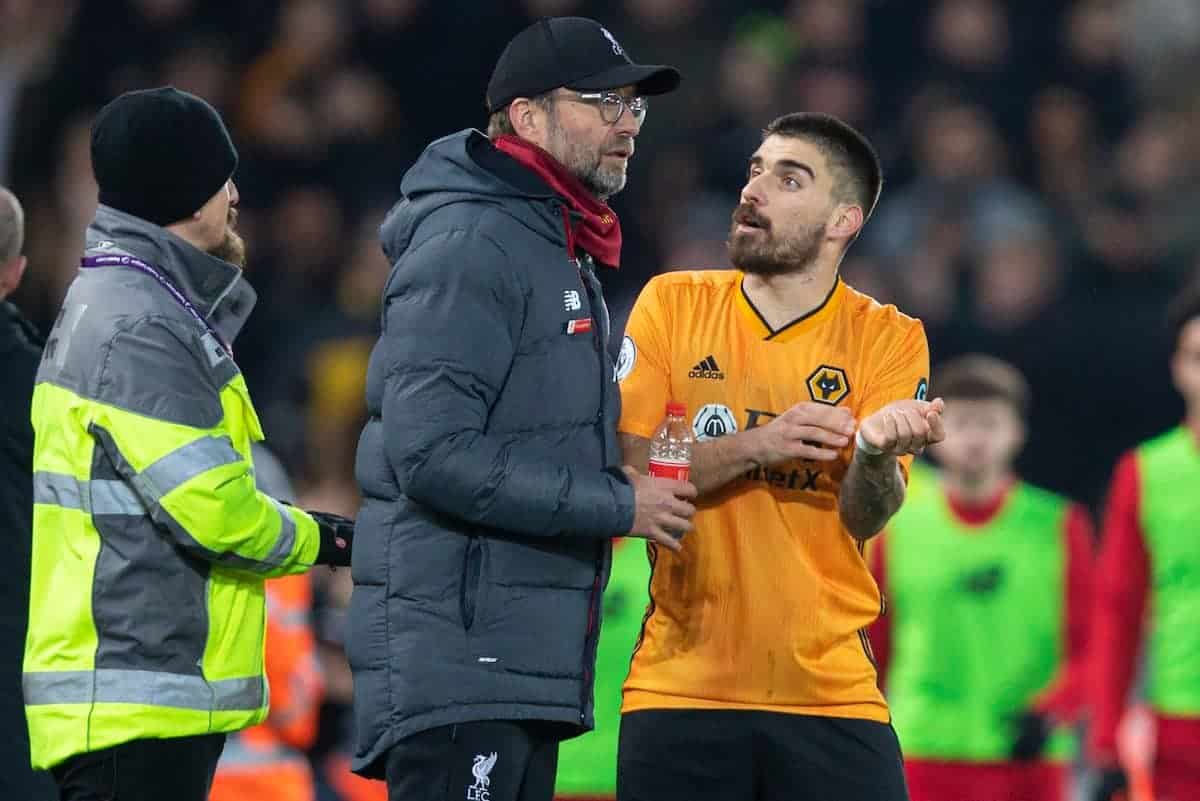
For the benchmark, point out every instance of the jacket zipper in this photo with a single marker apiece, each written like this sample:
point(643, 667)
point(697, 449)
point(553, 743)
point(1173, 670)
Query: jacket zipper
point(591, 287)
point(590, 639)
point(592, 290)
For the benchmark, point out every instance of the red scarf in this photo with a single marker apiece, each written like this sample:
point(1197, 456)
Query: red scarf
point(600, 233)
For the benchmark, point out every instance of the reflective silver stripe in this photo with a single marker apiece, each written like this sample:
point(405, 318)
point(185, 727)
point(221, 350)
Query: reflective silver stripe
point(183, 464)
point(304, 685)
point(239, 754)
point(93, 497)
point(285, 542)
point(57, 489)
point(113, 498)
point(109, 686)
point(287, 616)
point(290, 618)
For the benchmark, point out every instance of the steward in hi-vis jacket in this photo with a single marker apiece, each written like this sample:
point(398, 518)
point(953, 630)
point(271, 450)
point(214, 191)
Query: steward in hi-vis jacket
point(151, 542)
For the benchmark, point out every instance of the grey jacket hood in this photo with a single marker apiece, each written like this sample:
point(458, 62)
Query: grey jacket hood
point(466, 168)
point(217, 289)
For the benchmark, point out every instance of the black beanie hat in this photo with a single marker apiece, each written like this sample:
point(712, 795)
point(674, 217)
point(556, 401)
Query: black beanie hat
point(160, 154)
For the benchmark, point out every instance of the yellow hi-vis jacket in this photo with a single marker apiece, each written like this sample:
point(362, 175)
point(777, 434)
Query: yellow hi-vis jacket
point(151, 542)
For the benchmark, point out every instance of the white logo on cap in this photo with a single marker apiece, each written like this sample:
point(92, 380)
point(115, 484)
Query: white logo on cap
point(616, 45)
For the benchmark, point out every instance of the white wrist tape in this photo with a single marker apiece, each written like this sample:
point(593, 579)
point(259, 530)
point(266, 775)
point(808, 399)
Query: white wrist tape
point(866, 447)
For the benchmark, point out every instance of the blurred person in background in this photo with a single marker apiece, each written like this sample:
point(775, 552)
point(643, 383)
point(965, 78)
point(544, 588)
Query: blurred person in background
point(930, 231)
point(267, 762)
point(1092, 55)
point(690, 183)
point(986, 581)
point(65, 204)
point(587, 765)
point(1142, 218)
point(151, 540)
point(304, 251)
point(311, 111)
point(1017, 277)
point(28, 40)
point(971, 48)
point(328, 367)
point(333, 753)
point(20, 352)
point(747, 83)
point(753, 677)
point(1064, 146)
point(276, 110)
point(489, 466)
point(1148, 589)
point(337, 369)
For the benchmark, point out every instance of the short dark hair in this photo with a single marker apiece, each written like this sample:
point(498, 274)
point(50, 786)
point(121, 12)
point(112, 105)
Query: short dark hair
point(979, 377)
point(1184, 308)
point(858, 175)
point(500, 125)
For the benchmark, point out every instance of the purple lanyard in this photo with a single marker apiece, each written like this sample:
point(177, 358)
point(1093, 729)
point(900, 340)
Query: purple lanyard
point(138, 264)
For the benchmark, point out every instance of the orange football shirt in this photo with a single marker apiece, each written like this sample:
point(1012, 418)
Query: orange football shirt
point(768, 604)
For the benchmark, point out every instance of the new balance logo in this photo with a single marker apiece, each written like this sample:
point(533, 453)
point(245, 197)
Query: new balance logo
point(571, 301)
point(707, 369)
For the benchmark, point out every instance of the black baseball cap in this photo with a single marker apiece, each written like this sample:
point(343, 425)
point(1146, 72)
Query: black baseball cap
point(574, 52)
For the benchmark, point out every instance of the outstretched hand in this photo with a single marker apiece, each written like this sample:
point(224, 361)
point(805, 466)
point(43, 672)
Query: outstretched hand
point(904, 427)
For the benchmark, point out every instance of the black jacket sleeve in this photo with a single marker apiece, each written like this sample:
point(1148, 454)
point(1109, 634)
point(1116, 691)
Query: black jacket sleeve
point(20, 352)
point(453, 316)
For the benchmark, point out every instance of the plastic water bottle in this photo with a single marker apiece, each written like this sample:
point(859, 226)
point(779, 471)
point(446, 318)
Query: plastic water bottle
point(671, 445)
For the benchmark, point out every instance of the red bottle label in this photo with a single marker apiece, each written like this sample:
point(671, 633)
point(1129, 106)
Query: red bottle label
point(680, 471)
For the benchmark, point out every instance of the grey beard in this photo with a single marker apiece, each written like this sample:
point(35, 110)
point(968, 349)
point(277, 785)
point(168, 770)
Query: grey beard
point(586, 165)
point(601, 182)
point(604, 183)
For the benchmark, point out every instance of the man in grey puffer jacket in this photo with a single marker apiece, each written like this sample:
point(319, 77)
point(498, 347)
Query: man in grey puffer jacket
point(489, 467)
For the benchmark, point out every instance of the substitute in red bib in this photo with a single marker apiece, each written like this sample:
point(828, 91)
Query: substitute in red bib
point(986, 578)
point(1148, 589)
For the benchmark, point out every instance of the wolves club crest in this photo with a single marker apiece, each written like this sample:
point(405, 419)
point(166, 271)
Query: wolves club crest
point(828, 384)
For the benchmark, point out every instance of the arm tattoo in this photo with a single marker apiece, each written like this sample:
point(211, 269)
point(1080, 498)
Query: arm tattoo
point(871, 492)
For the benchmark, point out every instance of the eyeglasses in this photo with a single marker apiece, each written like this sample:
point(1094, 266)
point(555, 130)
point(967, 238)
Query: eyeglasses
point(612, 105)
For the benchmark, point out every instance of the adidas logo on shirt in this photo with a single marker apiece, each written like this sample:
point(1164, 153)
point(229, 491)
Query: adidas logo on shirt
point(707, 368)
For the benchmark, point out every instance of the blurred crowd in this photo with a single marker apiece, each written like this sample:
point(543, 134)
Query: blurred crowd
point(1041, 186)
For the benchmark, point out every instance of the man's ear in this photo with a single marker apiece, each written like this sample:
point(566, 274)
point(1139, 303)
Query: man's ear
point(847, 222)
point(10, 275)
point(528, 120)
